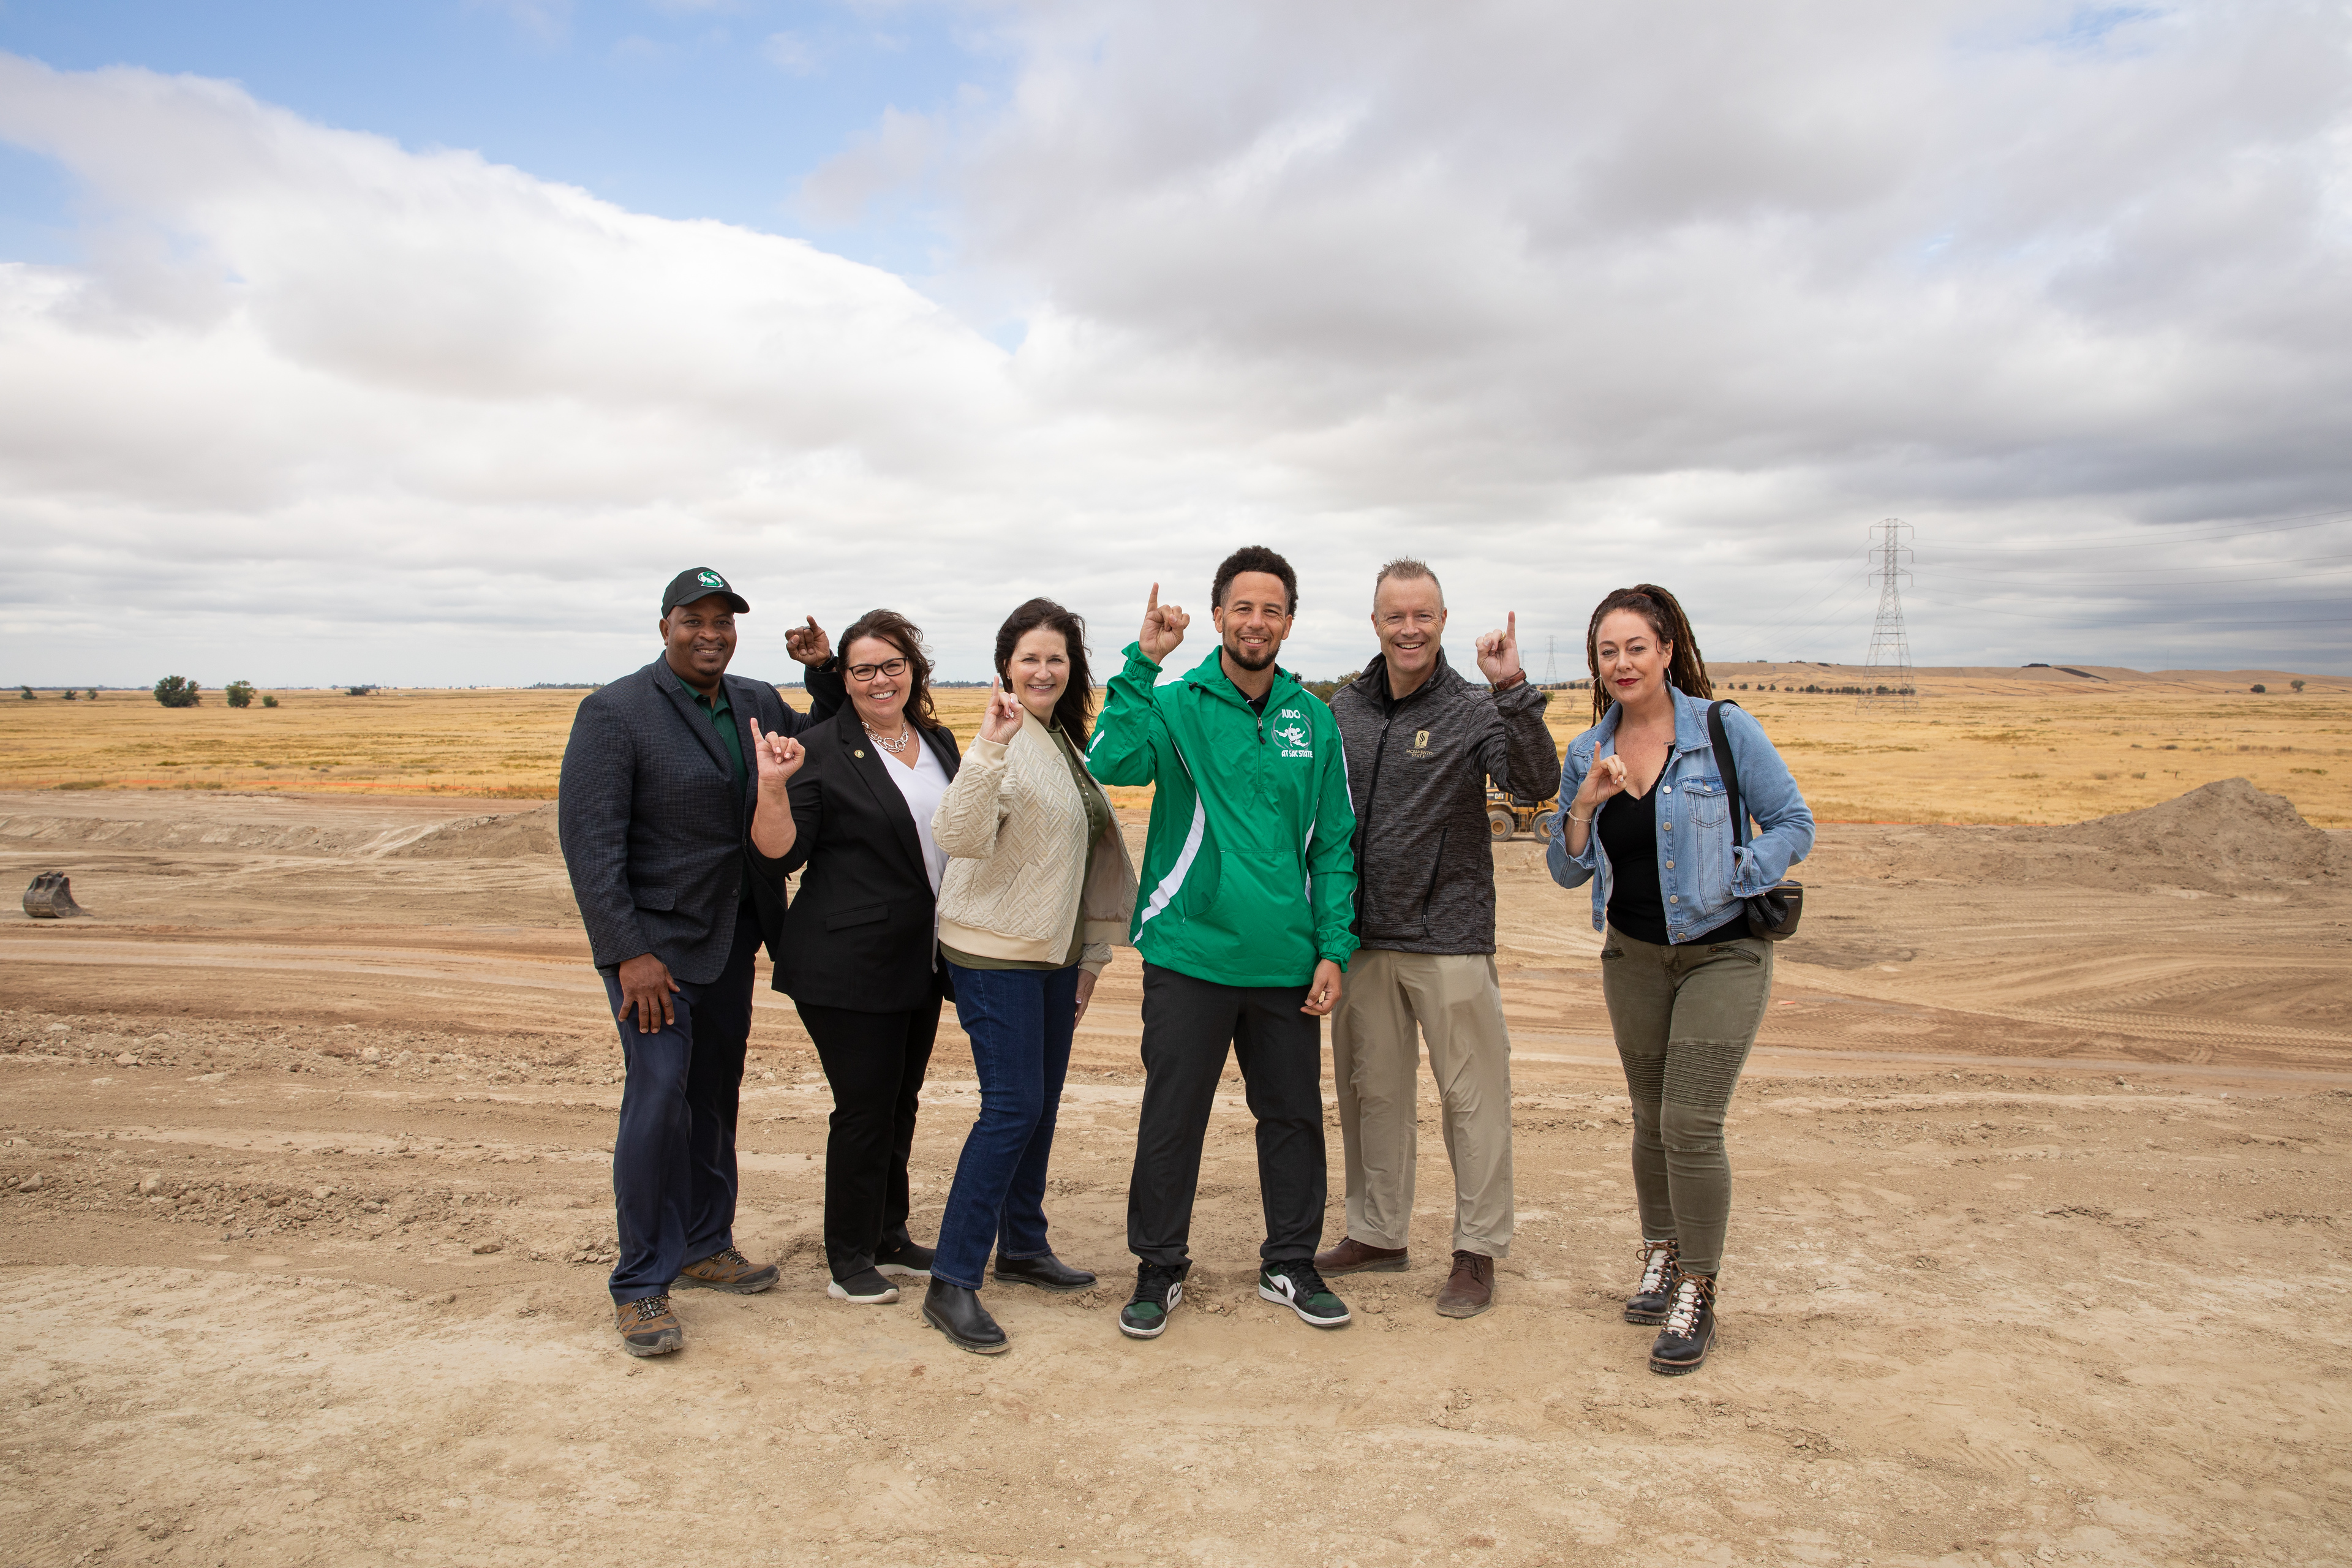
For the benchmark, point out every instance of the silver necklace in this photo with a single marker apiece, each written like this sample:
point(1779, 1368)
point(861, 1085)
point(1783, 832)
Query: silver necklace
point(897, 747)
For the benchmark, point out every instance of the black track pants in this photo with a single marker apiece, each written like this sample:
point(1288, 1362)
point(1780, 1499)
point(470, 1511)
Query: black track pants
point(1188, 1024)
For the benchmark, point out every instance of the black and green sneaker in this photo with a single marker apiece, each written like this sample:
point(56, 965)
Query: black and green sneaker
point(1158, 1287)
point(1298, 1286)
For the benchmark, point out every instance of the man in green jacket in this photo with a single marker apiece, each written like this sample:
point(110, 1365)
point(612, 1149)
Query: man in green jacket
point(1243, 920)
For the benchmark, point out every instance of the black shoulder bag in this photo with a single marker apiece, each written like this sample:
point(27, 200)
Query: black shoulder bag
point(1771, 915)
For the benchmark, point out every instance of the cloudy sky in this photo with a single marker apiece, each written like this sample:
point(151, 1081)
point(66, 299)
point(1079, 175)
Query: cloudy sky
point(420, 341)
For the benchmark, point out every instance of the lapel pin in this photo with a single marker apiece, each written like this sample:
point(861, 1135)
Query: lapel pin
point(858, 753)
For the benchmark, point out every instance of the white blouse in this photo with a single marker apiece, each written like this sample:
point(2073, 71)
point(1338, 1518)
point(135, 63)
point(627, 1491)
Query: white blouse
point(925, 785)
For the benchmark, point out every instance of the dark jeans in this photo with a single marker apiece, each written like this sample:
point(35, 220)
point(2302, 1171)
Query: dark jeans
point(674, 1154)
point(1020, 1021)
point(874, 1062)
point(1187, 1025)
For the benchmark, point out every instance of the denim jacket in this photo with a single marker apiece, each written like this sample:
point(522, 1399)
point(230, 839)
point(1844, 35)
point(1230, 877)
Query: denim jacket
point(1700, 874)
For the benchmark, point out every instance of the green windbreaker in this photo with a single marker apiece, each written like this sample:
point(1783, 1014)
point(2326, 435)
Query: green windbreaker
point(1249, 871)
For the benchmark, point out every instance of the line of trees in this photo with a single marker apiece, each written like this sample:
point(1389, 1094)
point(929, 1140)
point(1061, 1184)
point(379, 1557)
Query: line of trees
point(179, 691)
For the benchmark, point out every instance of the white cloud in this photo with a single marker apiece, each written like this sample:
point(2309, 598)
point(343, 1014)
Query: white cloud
point(1555, 297)
point(788, 53)
point(549, 21)
point(1691, 292)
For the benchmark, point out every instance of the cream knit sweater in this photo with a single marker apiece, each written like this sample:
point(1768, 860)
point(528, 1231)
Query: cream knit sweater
point(1014, 828)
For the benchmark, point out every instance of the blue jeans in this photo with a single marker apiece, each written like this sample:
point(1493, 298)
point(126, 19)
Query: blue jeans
point(1020, 1021)
point(674, 1153)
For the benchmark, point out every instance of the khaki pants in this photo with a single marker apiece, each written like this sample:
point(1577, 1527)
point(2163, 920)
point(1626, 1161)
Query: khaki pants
point(1456, 1001)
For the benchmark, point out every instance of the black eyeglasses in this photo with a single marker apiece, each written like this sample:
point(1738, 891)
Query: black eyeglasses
point(893, 667)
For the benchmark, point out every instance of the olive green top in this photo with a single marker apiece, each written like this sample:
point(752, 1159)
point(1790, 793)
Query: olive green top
point(1097, 819)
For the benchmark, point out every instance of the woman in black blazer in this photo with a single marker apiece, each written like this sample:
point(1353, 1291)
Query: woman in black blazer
point(860, 951)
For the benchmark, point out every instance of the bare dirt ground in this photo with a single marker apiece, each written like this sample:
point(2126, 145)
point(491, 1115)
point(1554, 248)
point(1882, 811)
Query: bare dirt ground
point(2039, 1252)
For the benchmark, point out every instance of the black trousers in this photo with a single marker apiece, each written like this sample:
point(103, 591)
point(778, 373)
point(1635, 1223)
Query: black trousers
point(874, 1063)
point(1187, 1025)
point(674, 1153)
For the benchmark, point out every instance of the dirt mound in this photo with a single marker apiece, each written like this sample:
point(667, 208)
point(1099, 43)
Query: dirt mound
point(2226, 838)
point(504, 837)
point(2227, 829)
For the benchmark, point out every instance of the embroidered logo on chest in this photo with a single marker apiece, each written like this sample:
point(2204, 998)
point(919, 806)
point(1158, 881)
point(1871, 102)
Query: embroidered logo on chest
point(1290, 729)
point(1420, 747)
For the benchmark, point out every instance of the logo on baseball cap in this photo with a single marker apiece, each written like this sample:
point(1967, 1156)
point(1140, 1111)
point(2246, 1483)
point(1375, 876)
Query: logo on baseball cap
point(700, 583)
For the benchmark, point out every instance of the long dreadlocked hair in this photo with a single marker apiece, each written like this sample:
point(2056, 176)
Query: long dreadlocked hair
point(1685, 670)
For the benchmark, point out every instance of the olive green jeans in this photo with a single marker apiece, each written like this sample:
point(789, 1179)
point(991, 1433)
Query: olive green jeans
point(1684, 1018)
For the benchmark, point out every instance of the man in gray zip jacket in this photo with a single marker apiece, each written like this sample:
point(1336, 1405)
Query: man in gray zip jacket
point(1421, 743)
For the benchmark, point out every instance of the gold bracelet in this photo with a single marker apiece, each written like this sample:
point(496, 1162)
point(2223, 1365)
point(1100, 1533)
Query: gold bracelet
point(1585, 820)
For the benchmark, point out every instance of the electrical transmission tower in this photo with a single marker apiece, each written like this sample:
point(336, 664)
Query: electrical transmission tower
point(1551, 661)
point(1887, 682)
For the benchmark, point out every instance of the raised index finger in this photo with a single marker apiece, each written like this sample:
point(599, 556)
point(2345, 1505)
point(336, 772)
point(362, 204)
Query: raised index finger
point(1511, 625)
point(1153, 601)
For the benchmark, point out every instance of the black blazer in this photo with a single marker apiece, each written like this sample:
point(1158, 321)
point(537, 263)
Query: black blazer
point(655, 836)
point(862, 933)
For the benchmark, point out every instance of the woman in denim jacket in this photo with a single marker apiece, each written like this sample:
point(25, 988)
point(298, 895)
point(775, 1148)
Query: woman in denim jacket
point(1648, 824)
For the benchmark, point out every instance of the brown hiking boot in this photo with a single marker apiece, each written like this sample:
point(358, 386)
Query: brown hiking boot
point(1353, 1257)
point(648, 1327)
point(1470, 1290)
point(728, 1270)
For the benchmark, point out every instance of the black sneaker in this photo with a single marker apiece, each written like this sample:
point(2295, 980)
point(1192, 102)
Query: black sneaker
point(1298, 1286)
point(1655, 1293)
point(1689, 1333)
point(866, 1287)
point(1158, 1287)
point(898, 1255)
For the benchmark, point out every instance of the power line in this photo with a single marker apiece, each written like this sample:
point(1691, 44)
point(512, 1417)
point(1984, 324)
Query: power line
point(1890, 646)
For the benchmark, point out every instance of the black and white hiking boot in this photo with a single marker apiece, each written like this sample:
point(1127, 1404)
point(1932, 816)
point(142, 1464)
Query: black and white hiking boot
point(1158, 1287)
point(1298, 1286)
point(1654, 1294)
point(1681, 1345)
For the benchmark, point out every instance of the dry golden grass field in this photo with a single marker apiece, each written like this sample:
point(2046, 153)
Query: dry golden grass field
point(1985, 745)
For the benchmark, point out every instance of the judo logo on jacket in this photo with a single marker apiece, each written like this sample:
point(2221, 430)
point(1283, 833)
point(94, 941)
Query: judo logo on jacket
point(1291, 730)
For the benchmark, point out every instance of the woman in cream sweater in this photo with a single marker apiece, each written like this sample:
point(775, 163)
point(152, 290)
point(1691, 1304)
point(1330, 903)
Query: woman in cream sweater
point(1038, 886)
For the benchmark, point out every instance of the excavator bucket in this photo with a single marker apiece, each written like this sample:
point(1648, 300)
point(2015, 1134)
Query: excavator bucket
point(51, 897)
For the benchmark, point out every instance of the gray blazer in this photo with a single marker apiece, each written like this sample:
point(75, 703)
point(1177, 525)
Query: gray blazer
point(655, 837)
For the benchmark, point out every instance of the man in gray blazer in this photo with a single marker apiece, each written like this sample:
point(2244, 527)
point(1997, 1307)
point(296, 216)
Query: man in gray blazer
point(654, 813)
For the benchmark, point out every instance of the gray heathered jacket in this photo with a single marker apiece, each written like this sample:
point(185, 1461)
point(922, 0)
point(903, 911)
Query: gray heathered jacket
point(1418, 770)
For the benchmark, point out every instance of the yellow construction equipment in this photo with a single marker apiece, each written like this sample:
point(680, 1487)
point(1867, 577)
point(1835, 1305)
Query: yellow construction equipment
point(1508, 816)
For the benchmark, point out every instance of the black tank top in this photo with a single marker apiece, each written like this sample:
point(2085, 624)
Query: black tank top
point(1637, 907)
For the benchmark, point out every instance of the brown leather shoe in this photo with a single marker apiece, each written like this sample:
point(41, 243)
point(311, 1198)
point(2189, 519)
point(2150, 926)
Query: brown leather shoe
point(729, 1270)
point(648, 1326)
point(1353, 1257)
point(1470, 1290)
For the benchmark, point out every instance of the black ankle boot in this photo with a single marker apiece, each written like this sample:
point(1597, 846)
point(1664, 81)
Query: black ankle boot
point(957, 1313)
point(1681, 1345)
point(1655, 1293)
point(1048, 1271)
